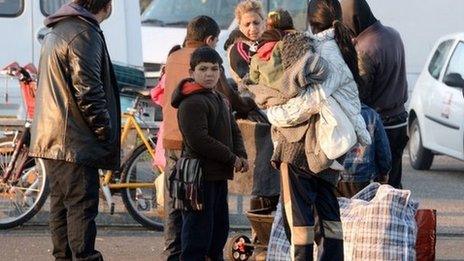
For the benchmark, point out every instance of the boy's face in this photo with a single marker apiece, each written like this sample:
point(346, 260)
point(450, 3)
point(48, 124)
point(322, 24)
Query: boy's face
point(206, 74)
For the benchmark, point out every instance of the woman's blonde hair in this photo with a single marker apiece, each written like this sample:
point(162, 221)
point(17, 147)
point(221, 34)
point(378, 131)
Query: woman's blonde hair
point(249, 6)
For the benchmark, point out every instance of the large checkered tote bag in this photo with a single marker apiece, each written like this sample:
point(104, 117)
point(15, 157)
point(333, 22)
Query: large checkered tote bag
point(379, 224)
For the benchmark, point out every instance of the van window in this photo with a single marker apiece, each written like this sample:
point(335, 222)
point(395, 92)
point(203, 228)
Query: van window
point(439, 58)
point(177, 13)
point(49, 7)
point(11, 8)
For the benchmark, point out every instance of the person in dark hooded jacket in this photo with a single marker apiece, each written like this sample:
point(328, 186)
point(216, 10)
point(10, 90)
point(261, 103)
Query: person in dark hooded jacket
point(382, 67)
point(76, 129)
point(210, 134)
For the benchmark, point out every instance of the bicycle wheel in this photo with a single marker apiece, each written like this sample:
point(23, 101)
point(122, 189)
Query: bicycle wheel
point(21, 200)
point(142, 203)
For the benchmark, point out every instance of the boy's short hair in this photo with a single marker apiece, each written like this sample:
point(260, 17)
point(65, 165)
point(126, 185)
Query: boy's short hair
point(204, 54)
point(200, 27)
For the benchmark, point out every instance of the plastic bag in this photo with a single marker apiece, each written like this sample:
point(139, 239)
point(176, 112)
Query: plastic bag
point(334, 130)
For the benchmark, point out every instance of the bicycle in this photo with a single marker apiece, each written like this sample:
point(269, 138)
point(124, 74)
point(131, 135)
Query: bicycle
point(136, 179)
point(137, 182)
point(23, 180)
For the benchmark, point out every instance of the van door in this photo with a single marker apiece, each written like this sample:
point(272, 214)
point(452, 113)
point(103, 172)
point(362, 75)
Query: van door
point(15, 27)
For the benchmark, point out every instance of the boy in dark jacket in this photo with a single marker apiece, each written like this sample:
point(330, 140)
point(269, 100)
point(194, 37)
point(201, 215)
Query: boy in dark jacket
point(201, 31)
point(364, 164)
point(209, 133)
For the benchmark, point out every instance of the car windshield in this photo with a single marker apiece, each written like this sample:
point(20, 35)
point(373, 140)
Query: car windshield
point(177, 13)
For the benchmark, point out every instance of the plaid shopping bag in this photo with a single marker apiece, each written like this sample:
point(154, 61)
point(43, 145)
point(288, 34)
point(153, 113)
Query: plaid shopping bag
point(378, 224)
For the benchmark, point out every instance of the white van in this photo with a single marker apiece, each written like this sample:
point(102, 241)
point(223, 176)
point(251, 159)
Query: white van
point(21, 25)
point(164, 24)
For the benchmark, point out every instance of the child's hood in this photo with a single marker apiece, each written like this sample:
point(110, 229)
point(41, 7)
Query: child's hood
point(186, 88)
point(271, 38)
point(267, 43)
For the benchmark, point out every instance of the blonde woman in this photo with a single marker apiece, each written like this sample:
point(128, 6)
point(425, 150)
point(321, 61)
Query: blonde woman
point(242, 42)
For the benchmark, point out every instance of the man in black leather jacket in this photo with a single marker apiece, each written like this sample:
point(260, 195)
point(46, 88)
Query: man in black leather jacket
point(76, 127)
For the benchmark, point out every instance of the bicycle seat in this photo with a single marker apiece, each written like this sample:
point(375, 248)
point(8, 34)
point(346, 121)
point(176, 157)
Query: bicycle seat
point(144, 93)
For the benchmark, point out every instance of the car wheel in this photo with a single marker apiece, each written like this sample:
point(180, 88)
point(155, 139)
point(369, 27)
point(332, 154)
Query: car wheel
point(419, 157)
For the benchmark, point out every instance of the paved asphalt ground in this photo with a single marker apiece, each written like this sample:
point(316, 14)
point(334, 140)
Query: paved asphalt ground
point(441, 188)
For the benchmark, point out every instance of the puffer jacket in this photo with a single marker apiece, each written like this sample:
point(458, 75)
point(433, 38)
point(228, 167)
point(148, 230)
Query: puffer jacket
point(339, 84)
point(77, 117)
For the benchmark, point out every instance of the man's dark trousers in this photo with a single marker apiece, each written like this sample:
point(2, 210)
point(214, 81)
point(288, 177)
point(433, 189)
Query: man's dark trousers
point(204, 233)
point(73, 208)
point(398, 138)
point(173, 218)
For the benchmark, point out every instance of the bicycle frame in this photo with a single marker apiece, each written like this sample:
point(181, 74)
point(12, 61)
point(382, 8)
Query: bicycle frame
point(27, 80)
point(131, 123)
point(107, 186)
point(15, 167)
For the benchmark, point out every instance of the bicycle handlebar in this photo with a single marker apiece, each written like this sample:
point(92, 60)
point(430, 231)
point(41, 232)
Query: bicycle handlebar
point(28, 73)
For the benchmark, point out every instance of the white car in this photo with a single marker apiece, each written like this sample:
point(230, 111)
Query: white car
point(436, 113)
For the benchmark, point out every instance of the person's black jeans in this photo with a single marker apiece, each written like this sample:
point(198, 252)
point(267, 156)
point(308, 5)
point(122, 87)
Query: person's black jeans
point(173, 217)
point(398, 139)
point(73, 208)
point(204, 233)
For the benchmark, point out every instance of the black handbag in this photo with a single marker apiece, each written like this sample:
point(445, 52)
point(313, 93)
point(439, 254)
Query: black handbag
point(186, 185)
